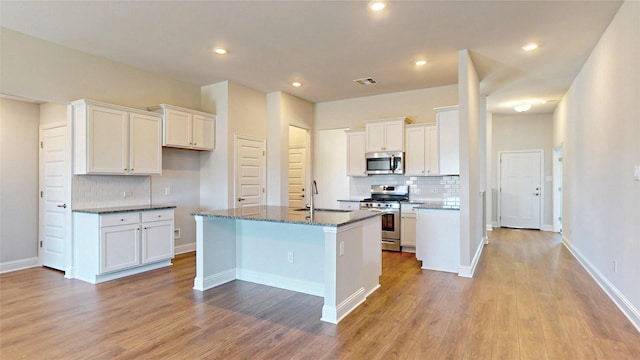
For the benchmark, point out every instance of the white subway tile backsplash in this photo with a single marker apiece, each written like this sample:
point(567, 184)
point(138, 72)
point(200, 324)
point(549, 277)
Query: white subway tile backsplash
point(106, 190)
point(444, 188)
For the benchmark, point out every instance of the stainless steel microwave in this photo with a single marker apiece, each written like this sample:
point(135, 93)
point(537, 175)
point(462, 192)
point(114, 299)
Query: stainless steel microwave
point(379, 163)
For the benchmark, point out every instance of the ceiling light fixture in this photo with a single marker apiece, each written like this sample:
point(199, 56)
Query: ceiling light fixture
point(296, 84)
point(530, 47)
point(365, 81)
point(421, 62)
point(220, 51)
point(377, 5)
point(522, 107)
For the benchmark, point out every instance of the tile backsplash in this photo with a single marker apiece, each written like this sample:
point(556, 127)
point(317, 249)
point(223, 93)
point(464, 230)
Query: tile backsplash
point(440, 188)
point(91, 191)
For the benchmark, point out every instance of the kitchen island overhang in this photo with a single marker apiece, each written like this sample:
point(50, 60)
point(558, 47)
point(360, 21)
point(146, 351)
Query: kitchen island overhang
point(333, 254)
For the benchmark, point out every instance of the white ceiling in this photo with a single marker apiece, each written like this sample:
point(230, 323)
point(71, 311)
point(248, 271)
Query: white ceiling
point(327, 44)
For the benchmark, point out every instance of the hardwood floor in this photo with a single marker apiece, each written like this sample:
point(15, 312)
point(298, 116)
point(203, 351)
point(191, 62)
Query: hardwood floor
point(529, 299)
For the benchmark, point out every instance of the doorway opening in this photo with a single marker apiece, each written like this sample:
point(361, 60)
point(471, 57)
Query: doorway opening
point(298, 167)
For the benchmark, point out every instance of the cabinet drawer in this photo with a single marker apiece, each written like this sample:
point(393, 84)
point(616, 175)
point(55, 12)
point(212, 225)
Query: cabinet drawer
point(157, 215)
point(409, 209)
point(119, 219)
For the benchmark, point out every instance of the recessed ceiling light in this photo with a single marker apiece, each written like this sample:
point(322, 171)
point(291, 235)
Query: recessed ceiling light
point(377, 5)
point(296, 84)
point(421, 62)
point(522, 107)
point(530, 47)
point(220, 51)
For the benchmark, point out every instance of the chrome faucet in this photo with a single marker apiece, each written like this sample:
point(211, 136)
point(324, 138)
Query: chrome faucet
point(314, 191)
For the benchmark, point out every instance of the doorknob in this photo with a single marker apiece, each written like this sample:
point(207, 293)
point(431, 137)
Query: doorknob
point(240, 199)
point(63, 206)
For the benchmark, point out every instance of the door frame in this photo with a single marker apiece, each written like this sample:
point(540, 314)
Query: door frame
point(542, 192)
point(263, 166)
point(67, 218)
point(558, 187)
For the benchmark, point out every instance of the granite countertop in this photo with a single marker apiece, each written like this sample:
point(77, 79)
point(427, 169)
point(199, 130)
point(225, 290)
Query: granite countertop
point(285, 214)
point(119, 209)
point(352, 200)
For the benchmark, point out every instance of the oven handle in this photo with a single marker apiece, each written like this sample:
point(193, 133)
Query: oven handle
point(380, 210)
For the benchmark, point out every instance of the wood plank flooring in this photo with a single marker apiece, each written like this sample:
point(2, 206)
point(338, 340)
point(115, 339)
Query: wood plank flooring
point(529, 299)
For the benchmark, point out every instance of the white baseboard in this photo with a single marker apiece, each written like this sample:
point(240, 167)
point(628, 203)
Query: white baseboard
point(281, 282)
point(333, 314)
point(468, 271)
point(214, 280)
point(628, 309)
point(489, 227)
point(21, 264)
point(547, 228)
point(185, 248)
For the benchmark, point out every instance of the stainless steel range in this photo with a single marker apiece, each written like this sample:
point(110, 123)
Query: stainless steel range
point(386, 199)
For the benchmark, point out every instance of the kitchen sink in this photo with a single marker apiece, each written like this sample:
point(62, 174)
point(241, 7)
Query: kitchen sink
point(325, 210)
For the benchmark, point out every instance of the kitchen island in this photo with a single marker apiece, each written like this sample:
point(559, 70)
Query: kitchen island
point(334, 254)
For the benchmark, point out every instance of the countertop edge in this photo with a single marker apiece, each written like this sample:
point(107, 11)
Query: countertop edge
point(123, 209)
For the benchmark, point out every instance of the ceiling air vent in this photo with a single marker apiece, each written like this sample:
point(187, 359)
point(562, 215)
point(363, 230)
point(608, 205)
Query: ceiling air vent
point(365, 81)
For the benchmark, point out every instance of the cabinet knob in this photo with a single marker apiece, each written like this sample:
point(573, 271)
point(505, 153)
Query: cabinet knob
point(121, 219)
point(159, 216)
point(195, 143)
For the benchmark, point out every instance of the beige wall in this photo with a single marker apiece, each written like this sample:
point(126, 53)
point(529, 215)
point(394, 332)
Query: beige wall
point(416, 105)
point(524, 132)
point(598, 125)
point(18, 181)
point(37, 69)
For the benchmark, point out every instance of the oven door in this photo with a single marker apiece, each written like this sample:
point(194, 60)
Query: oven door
point(390, 224)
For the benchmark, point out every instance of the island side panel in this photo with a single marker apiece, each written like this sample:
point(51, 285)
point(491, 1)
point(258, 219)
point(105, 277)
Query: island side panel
point(344, 285)
point(372, 254)
point(282, 255)
point(215, 252)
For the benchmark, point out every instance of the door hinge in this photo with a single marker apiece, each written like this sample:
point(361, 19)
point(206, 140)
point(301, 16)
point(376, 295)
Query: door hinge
point(559, 159)
point(41, 193)
point(40, 243)
point(41, 145)
point(263, 152)
point(263, 190)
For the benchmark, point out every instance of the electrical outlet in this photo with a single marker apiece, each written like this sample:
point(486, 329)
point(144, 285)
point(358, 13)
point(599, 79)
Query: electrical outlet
point(615, 266)
point(167, 190)
point(126, 194)
point(341, 248)
point(290, 257)
point(176, 233)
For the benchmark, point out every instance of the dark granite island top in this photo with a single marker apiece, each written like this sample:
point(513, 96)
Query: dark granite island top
point(285, 214)
point(335, 254)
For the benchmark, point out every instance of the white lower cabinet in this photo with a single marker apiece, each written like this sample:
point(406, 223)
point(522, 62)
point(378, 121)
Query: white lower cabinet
point(438, 239)
point(109, 246)
point(408, 227)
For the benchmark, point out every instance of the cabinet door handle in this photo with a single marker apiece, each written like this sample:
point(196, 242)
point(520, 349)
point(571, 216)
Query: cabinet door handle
point(64, 206)
point(241, 199)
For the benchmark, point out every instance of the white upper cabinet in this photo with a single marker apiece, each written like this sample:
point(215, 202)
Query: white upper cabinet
point(186, 128)
point(448, 140)
point(421, 150)
point(356, 163)
point(114, 140)
point(385, 135)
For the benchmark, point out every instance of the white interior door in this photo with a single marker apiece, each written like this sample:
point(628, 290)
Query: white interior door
point(54, 196)
point(297, 177)
point(250, 172)
point(520, 189)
